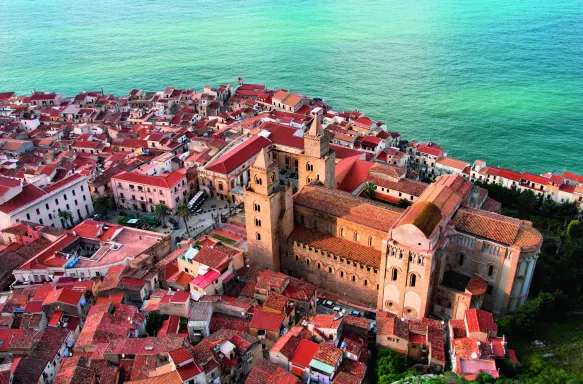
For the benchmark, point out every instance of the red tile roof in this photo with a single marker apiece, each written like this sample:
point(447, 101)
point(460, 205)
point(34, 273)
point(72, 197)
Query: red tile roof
point(328, 354)
point(304, 353)
point(168, 180)
point(535, 178)
point(29, 194)
point(573, 176)
point(267, 321)
point(345, 206)
point(337, 246)
point(66, 181)
point(392, 326)
point(64, 295)
point(240, 154)
point(180, 355)
point(488, 225)
point(478, 320)
point(477, 285)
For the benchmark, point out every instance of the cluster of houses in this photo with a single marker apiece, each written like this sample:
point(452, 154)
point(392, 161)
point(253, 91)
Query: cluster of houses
point(86, 301)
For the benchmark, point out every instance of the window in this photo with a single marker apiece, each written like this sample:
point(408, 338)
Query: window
point(309, 167)
point(329, 228)
point(365, 282)
point(356, 236)
point(257, 222)
point(73, 192)
point(341, 232)
point(57, 201)
point(341, 273)
point(461, 259)
point(256, 207)
point(315, 224)
point(258, 236)
point(318, 265)
point(353, 278)
point(84, 198)
point(258, 181)
point(371, 241)
point(394, 274)
point(308, 261)
point(38, 211)
point(82, 189)
point(413, 280)
point(490, 270)
point(297, 258)
point(28, 216)
point(330, 269)
point(65, 196)
point(46, 206)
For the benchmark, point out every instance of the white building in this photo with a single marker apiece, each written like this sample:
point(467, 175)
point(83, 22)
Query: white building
point(31, 203)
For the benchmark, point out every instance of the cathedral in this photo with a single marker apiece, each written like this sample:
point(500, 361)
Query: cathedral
point(440, 256)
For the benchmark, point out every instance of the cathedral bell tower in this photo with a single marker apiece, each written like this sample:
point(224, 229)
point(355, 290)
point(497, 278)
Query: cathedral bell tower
point(318, 162)
point(268, 212)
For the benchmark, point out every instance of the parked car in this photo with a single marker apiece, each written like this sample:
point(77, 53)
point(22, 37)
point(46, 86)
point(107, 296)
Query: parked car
point(318, 301)
point(337, 309)
point(355, 313)
point(328, 304)
point(174, 223)
point(97, 216)
point(370, 315)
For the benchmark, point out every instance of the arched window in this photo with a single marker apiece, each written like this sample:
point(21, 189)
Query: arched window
point(257, 222)
point(330, 270)
point(461, 259)
point(308, 261)
point(256, 207)
point(394, 274)
point(412, 280)
point(490, 270)
point(353, 278)
point(356, 236)
point(318, 265)
point(297, 258)
point(309, 167)
point(258, 180)
point(341, 232)
point(341, 273)
point(308, 180)
point(258, 236)
point(365, 282)
point(315, 224)
point(371, 241)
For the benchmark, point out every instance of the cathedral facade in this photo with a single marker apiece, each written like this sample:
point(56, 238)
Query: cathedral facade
point(440, 256)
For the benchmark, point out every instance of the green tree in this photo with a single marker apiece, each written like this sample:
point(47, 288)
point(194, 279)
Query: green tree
point(403, 203)
point(527, 202)
point(183, 211)
point(574, 232)
point(65, 217)
point(102, 204)
point(162, 211)
point(369, 189)
point(389, 366)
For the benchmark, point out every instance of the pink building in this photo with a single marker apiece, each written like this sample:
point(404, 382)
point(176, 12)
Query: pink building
point(143, 192)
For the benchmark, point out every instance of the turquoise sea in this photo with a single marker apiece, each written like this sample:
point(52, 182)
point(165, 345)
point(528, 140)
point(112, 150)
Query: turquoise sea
point(497, 80)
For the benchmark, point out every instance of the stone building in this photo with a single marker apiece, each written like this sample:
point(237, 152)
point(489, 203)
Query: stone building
point(442, 255)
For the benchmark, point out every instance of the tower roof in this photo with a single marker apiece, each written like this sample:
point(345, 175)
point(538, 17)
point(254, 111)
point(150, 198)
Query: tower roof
point(262, 160)
point(315, 127)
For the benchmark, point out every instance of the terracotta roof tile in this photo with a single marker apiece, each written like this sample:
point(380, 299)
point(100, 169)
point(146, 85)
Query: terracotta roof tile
point(345, 206)
point(488, 225)
point(478, 320)
point(337, 246)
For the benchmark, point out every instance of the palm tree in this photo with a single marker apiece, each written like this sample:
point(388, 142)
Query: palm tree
point(102, 204)
point(369, 188)
point(403, 203)
point(161, 210)
point(183, 211)
point(65, 217)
